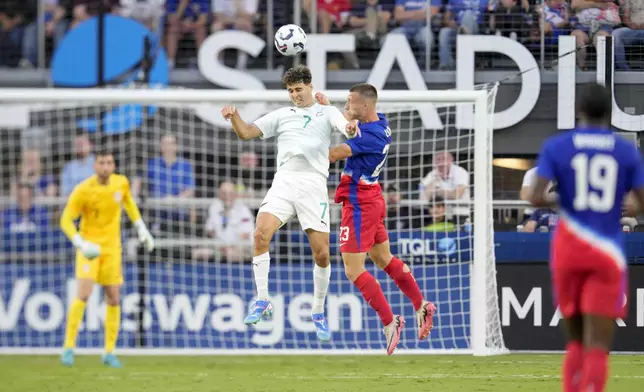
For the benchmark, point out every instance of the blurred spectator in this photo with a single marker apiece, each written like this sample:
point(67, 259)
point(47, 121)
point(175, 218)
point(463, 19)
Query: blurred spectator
point(450, 182)
point(510, 18)
point(24, 224)
point(330, 13)
point(368, 20)
point(632, 33)
point(147, 12)
point(399, 217)
point(439, 222)
point(592, 19)
point(85, 9)
point(461, 17)
point(11, 32)
point(251, 178)
point(185, 16)
point(80, 168)
point(55, 28)
point(526, 190)
point(30, 172)
point(543, 219)
point(554, 20)
point(169, 175)
point(412, 15)
point(230, 223)
point(236, 14)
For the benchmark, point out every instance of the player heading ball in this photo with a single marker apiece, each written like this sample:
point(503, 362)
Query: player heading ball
point(303, 132)
point(98, 202)
point(363, 227)
point(594, 170)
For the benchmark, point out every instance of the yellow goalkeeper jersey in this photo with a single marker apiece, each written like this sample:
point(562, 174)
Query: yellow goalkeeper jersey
point(99, 207)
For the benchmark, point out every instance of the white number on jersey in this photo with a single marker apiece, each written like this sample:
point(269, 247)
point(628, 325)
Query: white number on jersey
point(385, 152)
point(598, 173)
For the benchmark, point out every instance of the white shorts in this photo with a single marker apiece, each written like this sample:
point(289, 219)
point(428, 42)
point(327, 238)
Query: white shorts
point(299, 194)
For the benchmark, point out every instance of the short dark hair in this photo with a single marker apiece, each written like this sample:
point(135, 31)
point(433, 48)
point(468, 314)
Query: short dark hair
point(595, 103)
point(366, 90)
point(437, 200)
point(299, 74)
point(103, 152)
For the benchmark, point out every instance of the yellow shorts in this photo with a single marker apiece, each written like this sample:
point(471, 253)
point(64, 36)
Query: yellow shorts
point(106, 269)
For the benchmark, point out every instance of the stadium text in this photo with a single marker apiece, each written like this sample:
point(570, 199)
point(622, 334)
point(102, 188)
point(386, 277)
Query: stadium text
point(396, 50)
point(44, 311)
point(510, 305)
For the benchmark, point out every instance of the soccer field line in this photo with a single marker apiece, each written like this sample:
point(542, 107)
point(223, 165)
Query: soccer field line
point(340, 376)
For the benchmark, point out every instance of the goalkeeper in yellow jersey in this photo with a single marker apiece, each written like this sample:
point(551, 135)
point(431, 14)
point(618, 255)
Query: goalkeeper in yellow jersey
point(98, 201)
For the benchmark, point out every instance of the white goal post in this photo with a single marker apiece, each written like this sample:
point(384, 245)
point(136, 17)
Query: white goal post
point(457, 269)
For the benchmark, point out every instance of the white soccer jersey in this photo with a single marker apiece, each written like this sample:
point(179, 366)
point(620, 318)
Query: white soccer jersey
point(304, 132)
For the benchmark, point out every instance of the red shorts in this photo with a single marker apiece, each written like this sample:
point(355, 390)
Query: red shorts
point(363, 226)
point(585, 278)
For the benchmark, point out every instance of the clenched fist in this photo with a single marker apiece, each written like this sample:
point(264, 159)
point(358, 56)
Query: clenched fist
point(228, 112)
point(352, 129)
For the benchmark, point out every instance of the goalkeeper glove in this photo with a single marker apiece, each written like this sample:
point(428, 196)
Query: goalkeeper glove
point(144, 235)
point(89, 250)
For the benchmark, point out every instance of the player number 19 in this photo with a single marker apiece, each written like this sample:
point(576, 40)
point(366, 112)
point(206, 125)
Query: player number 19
point(595, 182)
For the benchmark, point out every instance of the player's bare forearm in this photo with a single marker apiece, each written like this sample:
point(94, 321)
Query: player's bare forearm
point(243, 130)
point(338, 153)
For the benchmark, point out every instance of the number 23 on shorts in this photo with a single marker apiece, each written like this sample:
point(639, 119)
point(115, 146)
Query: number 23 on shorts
point(344, 233)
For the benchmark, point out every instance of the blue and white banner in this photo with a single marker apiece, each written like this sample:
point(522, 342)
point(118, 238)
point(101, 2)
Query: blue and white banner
point(200, 305)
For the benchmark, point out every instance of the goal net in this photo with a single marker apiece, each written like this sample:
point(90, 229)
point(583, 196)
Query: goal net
point(199, 189)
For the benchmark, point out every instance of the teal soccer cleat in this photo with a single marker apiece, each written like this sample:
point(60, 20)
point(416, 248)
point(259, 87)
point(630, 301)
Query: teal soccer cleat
point(258, 311)
point(67, 357)
point(110, 360)
point(321, 327)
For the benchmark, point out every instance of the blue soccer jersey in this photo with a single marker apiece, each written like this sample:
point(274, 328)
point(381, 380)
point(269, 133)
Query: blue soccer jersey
point(594, 169)
point(368, 156)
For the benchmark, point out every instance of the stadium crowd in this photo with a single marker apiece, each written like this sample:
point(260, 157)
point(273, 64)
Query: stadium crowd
point(431, 24)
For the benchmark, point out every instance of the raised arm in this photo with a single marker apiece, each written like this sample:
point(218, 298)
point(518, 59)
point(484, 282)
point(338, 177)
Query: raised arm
point(243, 130)
point(348, 128)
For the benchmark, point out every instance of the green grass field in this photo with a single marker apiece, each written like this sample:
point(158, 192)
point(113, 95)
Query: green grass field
point(400, 373)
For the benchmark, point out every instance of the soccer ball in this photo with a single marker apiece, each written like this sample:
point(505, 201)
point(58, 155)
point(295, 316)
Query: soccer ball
point(290, 40)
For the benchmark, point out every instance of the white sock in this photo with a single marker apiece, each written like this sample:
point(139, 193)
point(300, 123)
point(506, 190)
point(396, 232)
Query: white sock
point(261, 266)
point(321, 279)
